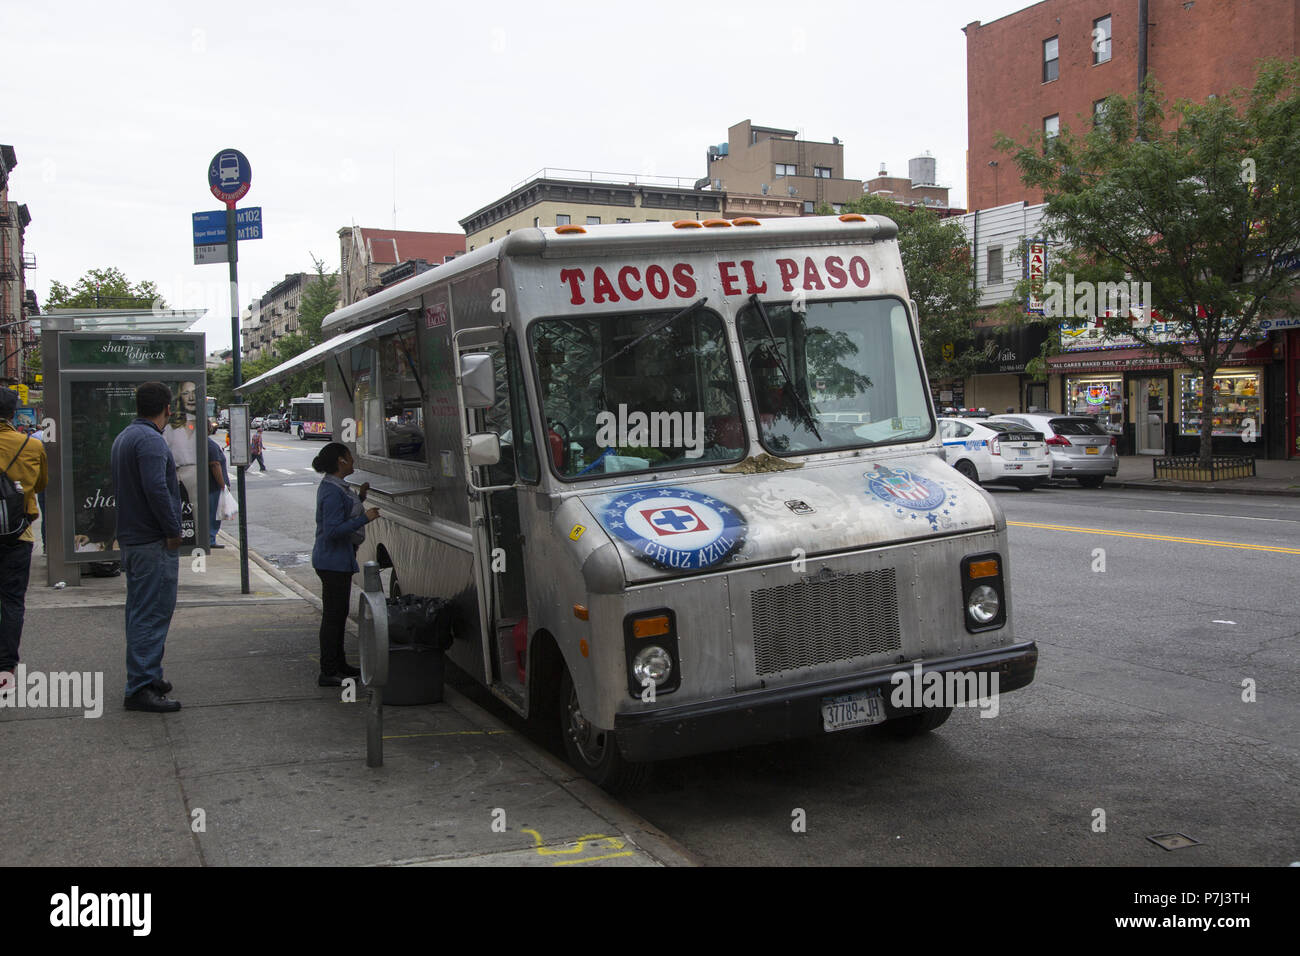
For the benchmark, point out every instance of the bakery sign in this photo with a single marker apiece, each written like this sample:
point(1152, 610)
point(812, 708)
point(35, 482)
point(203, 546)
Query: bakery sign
point(1036, 273)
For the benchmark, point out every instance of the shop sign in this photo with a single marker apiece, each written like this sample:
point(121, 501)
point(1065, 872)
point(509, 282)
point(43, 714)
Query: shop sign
point(1036, 272)
point(1270, 325)
point(1008, 350)
point(131, 351)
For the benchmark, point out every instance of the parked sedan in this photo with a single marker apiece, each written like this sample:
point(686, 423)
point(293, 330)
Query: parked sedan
point(1079, 446)
point(993, 451)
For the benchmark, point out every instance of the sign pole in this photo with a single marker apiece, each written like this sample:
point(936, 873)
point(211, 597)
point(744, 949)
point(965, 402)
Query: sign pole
point(232, 251)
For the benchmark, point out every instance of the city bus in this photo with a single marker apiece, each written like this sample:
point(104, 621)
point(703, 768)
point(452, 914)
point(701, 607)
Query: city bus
point(680, 483)
point(307, 417)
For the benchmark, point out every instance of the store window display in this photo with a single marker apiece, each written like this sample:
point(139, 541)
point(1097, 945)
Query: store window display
point(1100, 398)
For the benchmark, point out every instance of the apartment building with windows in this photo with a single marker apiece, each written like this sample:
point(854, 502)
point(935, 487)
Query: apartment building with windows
point(762, 161)
point(274, 315)
point(1053, 63)
point(561, 197)
point(17, 302)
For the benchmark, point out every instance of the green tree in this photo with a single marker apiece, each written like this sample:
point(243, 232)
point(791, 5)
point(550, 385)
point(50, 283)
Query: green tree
point(1205, 209)
point(104, 289)
point(937, 263)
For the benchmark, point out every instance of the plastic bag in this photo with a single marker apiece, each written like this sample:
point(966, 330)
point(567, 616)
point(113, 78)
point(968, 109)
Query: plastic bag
point(227, 506)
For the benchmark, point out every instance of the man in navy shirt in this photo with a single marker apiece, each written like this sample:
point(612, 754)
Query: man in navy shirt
point(219, 481)
point(149, 535)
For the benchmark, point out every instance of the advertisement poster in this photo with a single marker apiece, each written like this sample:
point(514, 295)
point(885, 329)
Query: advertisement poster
point(99, 412)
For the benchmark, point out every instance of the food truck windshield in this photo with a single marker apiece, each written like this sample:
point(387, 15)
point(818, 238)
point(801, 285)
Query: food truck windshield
point(649, 391)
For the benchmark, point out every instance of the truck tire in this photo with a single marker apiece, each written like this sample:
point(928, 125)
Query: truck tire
point(594, 753)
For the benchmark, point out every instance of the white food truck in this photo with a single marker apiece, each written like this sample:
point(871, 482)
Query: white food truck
point(681, 481)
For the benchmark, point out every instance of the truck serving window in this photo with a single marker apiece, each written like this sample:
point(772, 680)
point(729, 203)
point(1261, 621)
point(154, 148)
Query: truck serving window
point(402, 392)
point(636, 392)
point(839, 375)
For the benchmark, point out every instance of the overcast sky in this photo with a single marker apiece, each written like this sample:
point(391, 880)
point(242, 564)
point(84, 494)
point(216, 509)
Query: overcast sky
point(345, 109)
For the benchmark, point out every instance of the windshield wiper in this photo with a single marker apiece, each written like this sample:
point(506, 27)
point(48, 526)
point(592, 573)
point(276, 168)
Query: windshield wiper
point(641, 338)
point(776, 354)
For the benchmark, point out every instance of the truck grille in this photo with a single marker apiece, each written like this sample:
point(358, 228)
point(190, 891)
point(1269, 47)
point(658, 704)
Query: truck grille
point(819, 621)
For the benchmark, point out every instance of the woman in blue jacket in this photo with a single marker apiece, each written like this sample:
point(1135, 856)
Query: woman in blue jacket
point(340, 518)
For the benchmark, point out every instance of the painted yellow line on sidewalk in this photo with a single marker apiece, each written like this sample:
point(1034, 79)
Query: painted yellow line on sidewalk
point(1157, 537)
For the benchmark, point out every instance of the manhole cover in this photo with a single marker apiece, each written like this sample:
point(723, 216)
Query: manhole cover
point(1173, 841)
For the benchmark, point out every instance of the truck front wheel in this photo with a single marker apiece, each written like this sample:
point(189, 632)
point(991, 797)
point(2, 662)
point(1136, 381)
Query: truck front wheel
point(594, 752)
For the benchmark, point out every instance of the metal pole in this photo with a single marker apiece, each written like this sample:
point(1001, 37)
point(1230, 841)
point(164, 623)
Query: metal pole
point(232, 253)
point(374, 694)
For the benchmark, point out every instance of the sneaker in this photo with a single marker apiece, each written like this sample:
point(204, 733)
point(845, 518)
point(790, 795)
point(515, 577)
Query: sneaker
point(162, 686)
point(347, 670)
point(150, 701)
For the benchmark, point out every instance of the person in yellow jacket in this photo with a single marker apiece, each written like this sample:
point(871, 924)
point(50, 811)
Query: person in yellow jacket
point(22, 460)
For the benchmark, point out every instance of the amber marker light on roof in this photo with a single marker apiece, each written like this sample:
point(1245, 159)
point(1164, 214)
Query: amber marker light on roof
point(581, 613)
point(688, 224)
point(983, 569)
point(566, 230)
point(717, 222)
point(853, 217)
point(745, 221)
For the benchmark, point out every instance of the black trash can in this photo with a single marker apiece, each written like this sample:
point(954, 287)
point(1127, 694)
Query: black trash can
point(419, 629)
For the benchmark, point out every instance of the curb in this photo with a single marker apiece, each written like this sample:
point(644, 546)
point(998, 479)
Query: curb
point(1208, 489)
point(656, 844)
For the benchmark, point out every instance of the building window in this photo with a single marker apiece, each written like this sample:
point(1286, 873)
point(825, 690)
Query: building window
point(622, 220)
point(1052, 125)
point(1051, 59)
point(822, 172)
point(1101, 39)
point(561, 219)
point(994, 264)
point(838, 207)
point(786, 169)
point(808, 206)
point(1098, 111)
point(593, 220)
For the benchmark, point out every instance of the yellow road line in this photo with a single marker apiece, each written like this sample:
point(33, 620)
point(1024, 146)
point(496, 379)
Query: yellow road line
point(1158, 537)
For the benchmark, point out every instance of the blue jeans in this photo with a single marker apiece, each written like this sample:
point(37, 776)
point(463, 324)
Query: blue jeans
point(151, 575)
point(214, 498)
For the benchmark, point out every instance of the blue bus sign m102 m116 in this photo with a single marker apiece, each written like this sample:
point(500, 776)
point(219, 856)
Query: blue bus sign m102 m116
point(210, 227)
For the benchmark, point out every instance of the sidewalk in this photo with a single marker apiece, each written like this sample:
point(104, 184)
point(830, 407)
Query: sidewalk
point(261, 767)
point(1272, 477)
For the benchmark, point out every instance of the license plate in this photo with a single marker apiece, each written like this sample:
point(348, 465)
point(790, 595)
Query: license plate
point(1024, 453)
point(1093, 450)
point(852, 710)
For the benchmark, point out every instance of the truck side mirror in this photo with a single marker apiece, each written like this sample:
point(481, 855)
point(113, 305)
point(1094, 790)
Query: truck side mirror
point(484, 448)
point(478, 380)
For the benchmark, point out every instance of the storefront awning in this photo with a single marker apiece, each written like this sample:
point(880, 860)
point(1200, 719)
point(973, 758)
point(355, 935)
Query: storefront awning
point(1138, 359)
point(319, 353)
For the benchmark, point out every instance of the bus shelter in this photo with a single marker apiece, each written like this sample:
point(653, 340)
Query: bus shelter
point(91, 376)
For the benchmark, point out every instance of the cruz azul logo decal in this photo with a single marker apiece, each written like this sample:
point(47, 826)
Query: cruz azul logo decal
point(912, 497)
point(673, 528)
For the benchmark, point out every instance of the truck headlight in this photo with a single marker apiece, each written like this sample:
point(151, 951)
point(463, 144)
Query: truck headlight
point(652, 663)
point(983, 604)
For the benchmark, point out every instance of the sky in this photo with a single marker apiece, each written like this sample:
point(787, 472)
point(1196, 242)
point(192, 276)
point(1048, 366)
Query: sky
point(414, 115)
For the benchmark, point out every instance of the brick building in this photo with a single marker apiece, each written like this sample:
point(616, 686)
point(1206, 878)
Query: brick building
point(366, 253)
point(919, 188)
point(1039, 68)
point(17, 303)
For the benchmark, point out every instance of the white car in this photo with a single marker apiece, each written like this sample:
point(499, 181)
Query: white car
point(994, 451)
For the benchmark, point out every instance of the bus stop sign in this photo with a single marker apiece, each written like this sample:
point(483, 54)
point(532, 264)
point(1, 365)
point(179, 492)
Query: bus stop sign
point(230, 176)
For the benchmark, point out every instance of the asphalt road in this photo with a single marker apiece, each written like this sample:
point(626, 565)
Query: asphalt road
point(1136, 721)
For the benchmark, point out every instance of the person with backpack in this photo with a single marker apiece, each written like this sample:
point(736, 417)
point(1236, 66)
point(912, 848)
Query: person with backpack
point(149, 537)
point(23, 473)
point(255, 449)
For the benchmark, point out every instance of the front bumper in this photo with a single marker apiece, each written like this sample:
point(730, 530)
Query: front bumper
point(784, 713)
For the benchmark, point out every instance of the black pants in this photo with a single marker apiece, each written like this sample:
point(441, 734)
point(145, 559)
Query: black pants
point(336, 591)
point(258, 458)
point(15, 570)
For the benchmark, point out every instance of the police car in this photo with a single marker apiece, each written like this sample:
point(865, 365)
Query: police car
point(995, 452)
